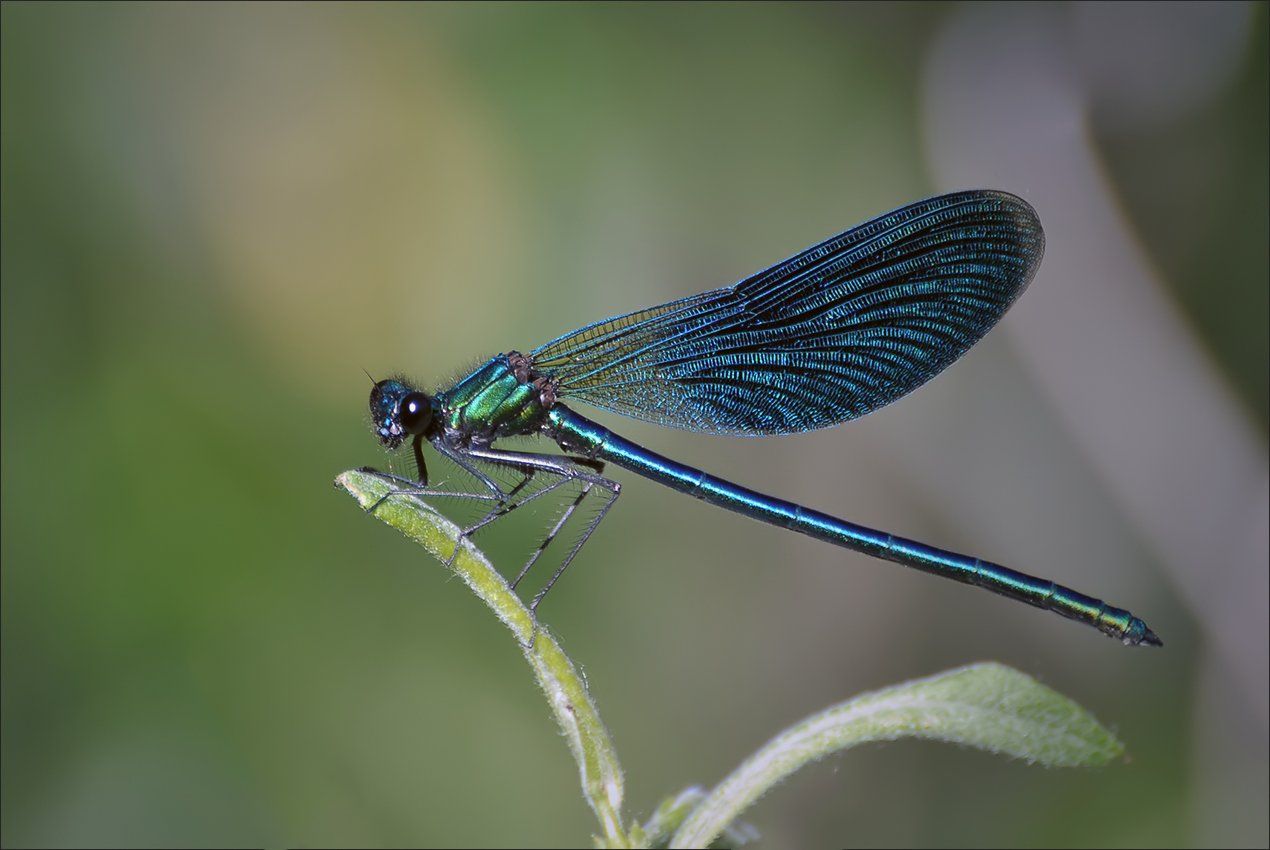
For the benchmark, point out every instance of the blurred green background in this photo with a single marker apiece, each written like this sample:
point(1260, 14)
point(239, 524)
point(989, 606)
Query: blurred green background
point(214, 217)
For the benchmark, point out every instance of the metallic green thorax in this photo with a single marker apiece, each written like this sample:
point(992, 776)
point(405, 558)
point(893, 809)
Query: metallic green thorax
point(492, 402)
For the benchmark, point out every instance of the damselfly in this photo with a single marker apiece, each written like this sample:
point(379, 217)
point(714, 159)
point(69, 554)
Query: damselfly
point(832, 333)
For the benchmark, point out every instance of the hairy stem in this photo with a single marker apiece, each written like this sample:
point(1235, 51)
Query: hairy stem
point(566, 692)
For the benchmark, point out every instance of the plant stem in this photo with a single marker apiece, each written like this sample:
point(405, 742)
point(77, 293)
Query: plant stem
point(589, 741)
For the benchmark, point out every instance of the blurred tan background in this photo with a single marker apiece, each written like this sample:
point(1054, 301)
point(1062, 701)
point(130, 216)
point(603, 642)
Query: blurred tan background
point(214, 217)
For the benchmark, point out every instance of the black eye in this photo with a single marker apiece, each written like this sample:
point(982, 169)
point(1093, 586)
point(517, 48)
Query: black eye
point(415, 413)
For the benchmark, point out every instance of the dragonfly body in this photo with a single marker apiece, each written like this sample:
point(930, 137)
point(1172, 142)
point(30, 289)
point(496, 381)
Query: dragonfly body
point(832, 333)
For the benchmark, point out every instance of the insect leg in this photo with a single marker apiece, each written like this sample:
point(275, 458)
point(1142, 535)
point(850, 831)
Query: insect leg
point(551, 535)
point(409, 487)
point(614, 490)
point(569, 468)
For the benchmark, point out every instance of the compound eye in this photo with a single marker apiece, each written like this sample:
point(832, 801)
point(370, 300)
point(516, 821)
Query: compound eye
point(415, 413)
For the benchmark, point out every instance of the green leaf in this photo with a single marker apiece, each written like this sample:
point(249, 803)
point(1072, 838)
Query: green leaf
point(988, 706)
point(566, 692)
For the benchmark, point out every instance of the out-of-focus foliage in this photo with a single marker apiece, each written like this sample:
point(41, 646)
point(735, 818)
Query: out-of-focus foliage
point(215, 216)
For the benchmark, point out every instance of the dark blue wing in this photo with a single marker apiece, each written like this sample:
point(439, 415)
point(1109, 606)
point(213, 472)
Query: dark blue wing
point(830, 334)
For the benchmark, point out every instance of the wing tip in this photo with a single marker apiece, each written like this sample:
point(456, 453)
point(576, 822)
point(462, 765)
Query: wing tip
point(1026, 217)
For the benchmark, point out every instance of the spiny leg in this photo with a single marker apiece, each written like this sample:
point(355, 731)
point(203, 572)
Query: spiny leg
point(408, 487)
point(614, 490)
point(496, 493)
point(569, 469)
point(507, 504)
point(459, 458)
point(551, 535)
point(509, 501)
point(565, 467)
